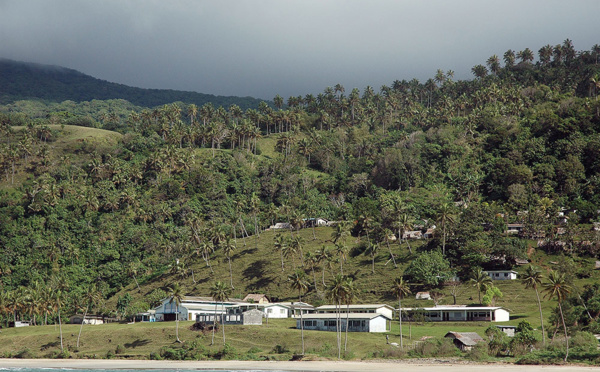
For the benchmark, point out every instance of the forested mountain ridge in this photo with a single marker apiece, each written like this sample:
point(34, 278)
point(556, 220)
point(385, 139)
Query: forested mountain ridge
point(27, 81)
point(518, 144)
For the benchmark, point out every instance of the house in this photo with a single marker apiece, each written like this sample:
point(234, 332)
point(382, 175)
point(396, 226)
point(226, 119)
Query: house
point(508, 330)
point(502, 274)
point(514, 228)
point(315, 222)
point(249, 317)
point(191, 306)
point(357, 322)
point(89, 319)
point(255, 298)
point(18, 324)
point(429, 233)
point(280, 225)
point(423, 296)
point(287, 309)
point(459, 313)
point(382, 309)
point(464, 340)
point(277, 310)
point(147, 316)
point(521, 261)
point(416, 234)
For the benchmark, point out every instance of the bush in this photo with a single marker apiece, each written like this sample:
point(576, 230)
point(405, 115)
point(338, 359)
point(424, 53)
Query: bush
point(24, 354)
point(478, 353)
point(280, 349)
point(119, 349)
point(435, 347)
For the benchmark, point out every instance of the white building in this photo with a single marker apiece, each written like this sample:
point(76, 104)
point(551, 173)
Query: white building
point(502, 274)
point(191, 306)
point(362, 322)
point(286, 309)
point(459, 313)
point(382, 309)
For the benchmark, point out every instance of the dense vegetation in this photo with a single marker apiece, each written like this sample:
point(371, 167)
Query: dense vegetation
point(184, 183)
point(26, 81)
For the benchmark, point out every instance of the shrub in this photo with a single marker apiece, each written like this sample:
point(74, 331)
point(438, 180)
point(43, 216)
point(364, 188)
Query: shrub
point(24, 354)
point(435, 347)
point(280, 349)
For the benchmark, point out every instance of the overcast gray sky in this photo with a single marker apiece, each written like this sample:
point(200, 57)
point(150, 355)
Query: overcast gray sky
point(289, 47)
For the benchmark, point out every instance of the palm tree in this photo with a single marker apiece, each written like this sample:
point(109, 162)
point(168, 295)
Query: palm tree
point(400, 289)
point(350, 292)
point(219, 293)
point(132, 271)
point(557, 287)
point(58, 303)
point(532, 279)
point(176, 296)
point(342, 251)
point(445, 217)
point(280, 245)
point(481, 280)
point(228, 249)
point(92, 297)
point(299, 283)
point(336, 293)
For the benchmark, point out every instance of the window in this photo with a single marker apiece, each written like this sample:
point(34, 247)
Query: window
point(330, 323)
point(310, 323)
point(269, 311)
point(281, 311)
point(505, 275)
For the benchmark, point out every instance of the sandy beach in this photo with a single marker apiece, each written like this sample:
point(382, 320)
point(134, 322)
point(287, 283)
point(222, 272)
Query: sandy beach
point(410, 365)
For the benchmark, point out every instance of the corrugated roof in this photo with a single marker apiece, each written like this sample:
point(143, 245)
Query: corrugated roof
point(353, 307)
point(466, 338)
point(343, 316)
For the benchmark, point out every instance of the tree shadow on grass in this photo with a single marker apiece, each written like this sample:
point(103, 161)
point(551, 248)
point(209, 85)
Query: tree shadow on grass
point(49, 345)
point(137, 343)
point(256, 272)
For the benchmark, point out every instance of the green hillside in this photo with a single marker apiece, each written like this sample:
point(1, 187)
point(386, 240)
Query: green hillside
point(498, 170)
point(27, 81)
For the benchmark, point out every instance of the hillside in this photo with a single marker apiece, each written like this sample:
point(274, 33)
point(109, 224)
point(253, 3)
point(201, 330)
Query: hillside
point(495, 170)
point(30, 81)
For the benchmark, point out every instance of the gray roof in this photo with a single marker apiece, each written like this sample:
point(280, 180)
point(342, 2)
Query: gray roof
point(354, 307)
point(343, 316)
point(466, 338)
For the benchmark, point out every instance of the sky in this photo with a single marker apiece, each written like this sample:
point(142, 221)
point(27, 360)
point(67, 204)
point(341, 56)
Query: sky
point(261, 48)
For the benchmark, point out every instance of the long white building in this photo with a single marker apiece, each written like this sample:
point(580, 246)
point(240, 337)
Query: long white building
point(459, 313)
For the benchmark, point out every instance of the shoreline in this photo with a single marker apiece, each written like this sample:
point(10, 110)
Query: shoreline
point(338, 366)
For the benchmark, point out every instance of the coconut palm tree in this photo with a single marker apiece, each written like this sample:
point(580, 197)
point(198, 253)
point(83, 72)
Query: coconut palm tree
point(481, 280)
point(91, 297)
point(400, 288)
point(445, 216)
point(176, 296)
point(350, 294)
point(228, 249)
point(532, 279)
point(299, 283)
point(558, 288)
point(219, 293)
point(336, 293)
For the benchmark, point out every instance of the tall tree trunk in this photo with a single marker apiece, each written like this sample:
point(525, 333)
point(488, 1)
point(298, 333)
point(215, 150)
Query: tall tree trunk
point(223, 321)
point(347, 326)
point(81, 327)
point(61, 335)
point(177, 323)
point(214, 325)
point(400, 321)
point(541, 317)
point(230, 272)
point(565, 328)
point(301, 324)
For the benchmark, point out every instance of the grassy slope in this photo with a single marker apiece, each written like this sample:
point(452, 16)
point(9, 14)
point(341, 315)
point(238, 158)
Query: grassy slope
point(72, 141)
point(257, 268)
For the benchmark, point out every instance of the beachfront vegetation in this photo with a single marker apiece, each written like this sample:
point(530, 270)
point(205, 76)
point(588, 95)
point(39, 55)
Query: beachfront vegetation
point(133, 199)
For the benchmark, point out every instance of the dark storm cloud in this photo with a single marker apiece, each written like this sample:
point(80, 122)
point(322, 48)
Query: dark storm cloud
point(261, 48)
